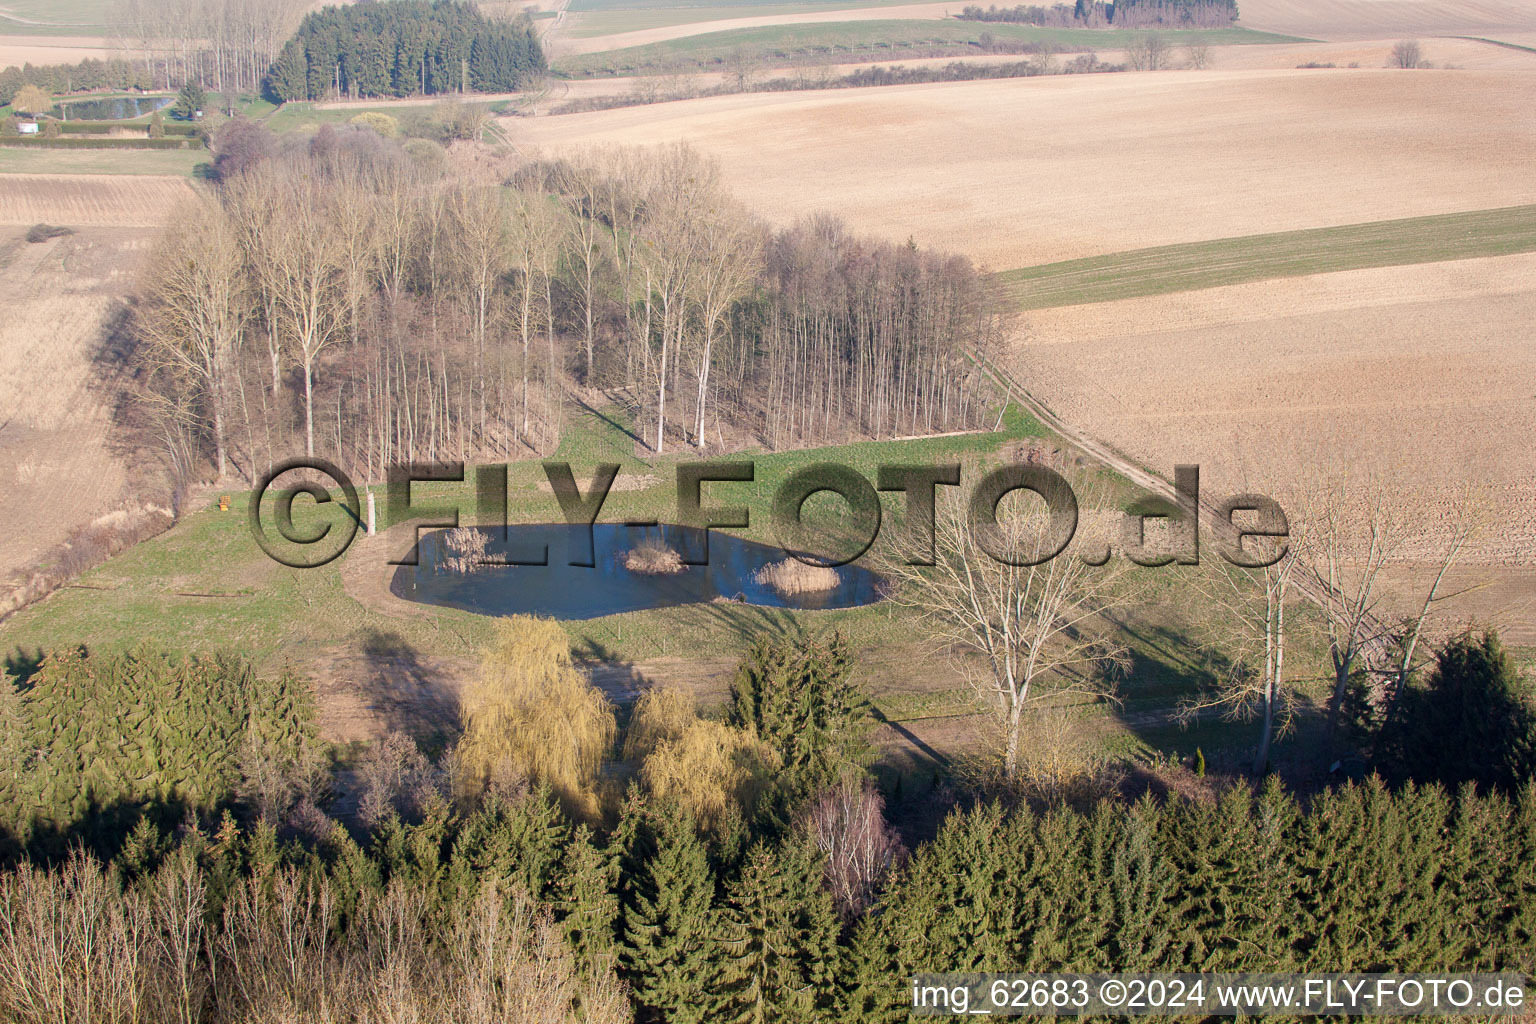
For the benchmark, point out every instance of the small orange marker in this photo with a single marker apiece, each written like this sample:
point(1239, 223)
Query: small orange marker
point(223, 503)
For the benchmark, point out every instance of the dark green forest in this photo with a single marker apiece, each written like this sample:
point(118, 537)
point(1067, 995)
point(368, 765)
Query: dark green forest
point(187, 835)
point(404, 48)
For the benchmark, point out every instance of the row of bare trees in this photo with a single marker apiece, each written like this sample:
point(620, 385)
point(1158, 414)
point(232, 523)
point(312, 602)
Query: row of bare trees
point(76, 945)
point(375, 306)
point(225, 44)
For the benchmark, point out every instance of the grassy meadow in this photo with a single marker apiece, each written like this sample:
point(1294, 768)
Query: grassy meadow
point(1226, 261)
point(862, 40)
point(205, 585)
point(600, 18)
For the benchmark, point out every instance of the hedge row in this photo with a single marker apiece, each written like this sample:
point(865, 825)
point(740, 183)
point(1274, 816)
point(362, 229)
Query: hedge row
point(99, 127)
point(62, 143)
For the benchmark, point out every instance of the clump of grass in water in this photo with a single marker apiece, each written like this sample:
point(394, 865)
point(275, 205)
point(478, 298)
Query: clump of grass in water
point(793, 576)
point(653, 558)
point(463, 549)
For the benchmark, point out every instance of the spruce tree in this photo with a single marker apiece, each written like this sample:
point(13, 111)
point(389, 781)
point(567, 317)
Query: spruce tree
point(585, 897)
point(514, 842)
point(670, 953)
point(797, 694)
point(780, 940)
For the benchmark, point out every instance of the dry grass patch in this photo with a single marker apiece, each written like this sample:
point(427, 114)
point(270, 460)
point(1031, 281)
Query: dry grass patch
point(653, 558)
point(1027, 171)
point(792, 576)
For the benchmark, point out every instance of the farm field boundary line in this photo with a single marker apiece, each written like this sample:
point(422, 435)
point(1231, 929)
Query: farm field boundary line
point(1191, 266)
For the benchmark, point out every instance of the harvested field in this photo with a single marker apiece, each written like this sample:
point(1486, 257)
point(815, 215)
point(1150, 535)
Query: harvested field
point(17, 160)
point(1057, 168)
point(62, 299)
point(81, 200)
point(1377, 19)
point(1421, 371)
point(19, 50)
point(1464, 54)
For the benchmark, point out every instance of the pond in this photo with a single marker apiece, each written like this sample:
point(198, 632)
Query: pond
point(564, 591)
point(116, 108)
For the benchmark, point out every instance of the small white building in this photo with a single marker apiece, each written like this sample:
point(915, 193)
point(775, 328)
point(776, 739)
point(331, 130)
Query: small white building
point(27, 127)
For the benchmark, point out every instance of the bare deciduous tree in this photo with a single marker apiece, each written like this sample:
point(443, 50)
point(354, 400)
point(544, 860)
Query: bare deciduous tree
point(308, 265)
point(847, 823)
point(1197, 53)
point(197, 306)
point(1030, 625)
point(1406, 53)
point(1255, 640)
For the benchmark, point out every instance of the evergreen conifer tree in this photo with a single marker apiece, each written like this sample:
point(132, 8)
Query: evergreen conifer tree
point(670, 952)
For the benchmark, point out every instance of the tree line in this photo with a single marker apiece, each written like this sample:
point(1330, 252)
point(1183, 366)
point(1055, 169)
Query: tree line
point(405, 48)
point(1121, 14)
point(357, 300)
point(225, 44)
point(747, 872)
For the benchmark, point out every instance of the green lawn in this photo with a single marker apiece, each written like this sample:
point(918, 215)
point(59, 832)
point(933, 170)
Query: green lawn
point(597, 19)
point(54, 17)
point(864, 40)
point(205, 585)
point(16, 160)
point(282, 613)
point(1223, 261)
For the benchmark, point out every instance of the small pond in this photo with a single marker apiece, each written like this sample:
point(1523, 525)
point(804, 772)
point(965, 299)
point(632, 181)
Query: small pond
point(116, 108)
point(564, 591)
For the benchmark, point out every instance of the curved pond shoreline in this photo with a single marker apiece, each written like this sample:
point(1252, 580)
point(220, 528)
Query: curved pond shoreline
point(567, 591)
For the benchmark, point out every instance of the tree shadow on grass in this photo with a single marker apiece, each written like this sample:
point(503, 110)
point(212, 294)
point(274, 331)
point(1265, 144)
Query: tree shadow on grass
point(408, 694)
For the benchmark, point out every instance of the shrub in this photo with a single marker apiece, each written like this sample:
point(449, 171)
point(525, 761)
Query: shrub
point(712, 770)
point(239, 145)
point(43, 232)
point(54, 142)
point(662, 714)
point(380, 124)
point(156, 126)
